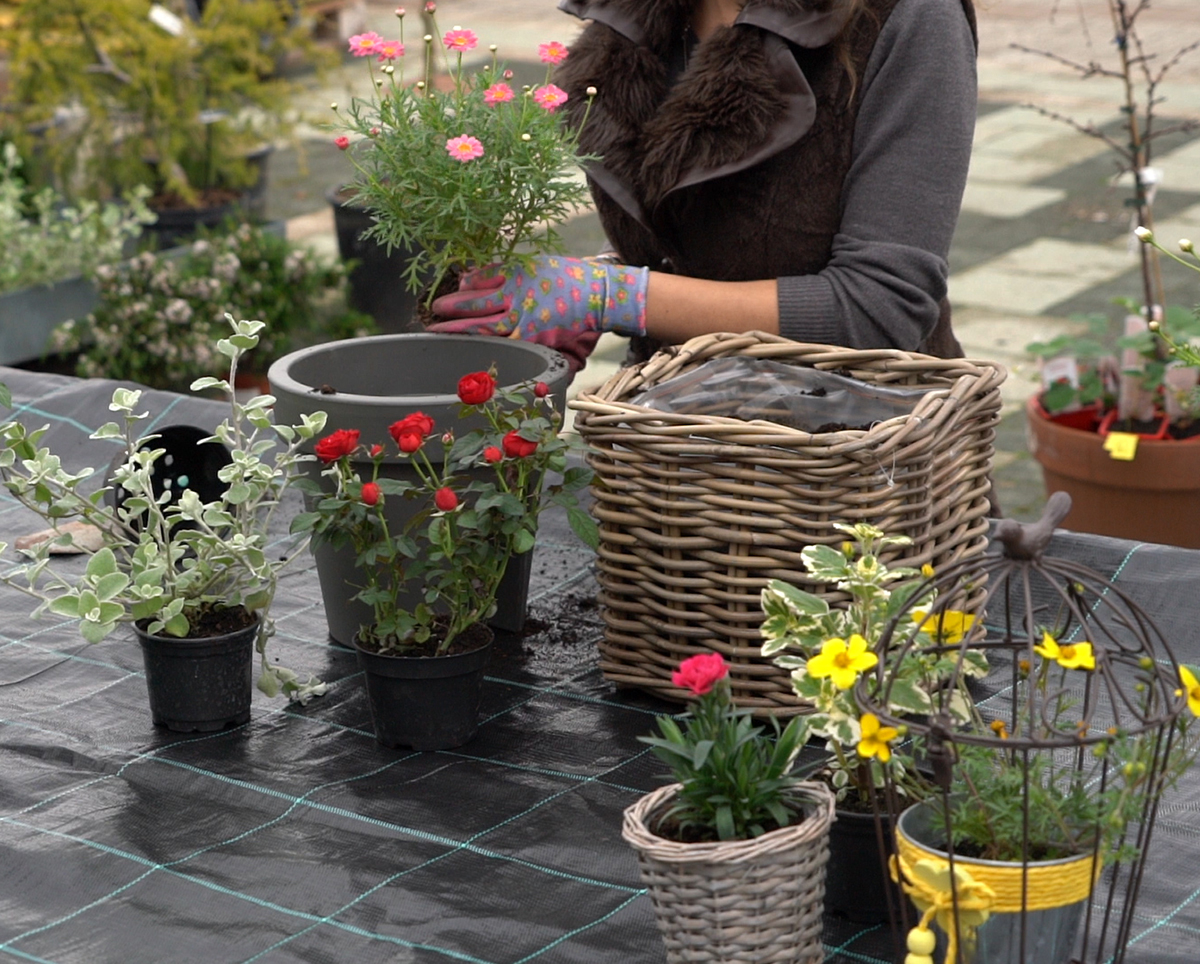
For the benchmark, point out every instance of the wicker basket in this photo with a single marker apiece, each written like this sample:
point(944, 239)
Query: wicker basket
point(698, 512)
point(738, 900)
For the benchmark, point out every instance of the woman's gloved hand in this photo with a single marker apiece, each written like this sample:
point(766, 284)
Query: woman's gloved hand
point(563, 303)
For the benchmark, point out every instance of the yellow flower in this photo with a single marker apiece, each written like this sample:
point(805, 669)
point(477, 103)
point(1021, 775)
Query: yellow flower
point(842, 661)
point(927, 571)
point(948, 627)
point(875, 738)
point(1071, 656)
point(1000, 729)
point(1192, 687)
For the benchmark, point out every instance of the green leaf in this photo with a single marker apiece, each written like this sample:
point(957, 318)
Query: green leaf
point(94, 632)
point(584, 527)
point(102, 563)
point(108, 430)
point(908, 697)
point(177, 625)
point(5, 396)
point(797, 599)
point(523, 541)
point(824, 563)
point(200, 384)
point(65, 606)
point(700, 753)
point(111, 585)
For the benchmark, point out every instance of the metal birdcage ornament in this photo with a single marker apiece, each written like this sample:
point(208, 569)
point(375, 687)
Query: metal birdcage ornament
point(1042, 805)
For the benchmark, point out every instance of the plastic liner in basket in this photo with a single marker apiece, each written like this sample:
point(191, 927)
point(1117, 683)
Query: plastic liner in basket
point(806, 399)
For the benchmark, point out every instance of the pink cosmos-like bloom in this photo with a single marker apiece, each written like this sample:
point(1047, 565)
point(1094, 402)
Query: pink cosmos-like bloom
point(464, 148)
point(699, 673)
point(550, 97)
point(460, 40)
point(342, 142)
point(552, 53)
point(498, 94)
point(389, 50)
point(365, 44)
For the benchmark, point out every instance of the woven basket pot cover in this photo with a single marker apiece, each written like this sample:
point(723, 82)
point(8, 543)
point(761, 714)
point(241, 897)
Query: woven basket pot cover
point(747, 901)
point(697, 513)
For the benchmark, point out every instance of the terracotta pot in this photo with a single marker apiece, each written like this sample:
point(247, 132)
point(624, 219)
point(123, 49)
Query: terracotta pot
point(1154, 498)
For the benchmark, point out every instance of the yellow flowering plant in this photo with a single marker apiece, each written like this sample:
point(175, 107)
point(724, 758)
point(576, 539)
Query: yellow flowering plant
point(828, 648)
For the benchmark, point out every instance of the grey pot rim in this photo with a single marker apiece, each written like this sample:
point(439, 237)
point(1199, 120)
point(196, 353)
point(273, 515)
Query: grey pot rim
point(904, 831)
point(280, 378)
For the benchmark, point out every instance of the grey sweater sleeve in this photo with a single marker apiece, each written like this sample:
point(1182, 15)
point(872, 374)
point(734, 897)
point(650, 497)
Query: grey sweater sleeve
point(902, 194)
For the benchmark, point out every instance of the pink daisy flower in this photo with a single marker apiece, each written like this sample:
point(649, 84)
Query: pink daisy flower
point(552, 53)
point(364, 44)
point(464, 148)
point(550, 97)
point(460, 40)
point(498, 94)
point(389, 49)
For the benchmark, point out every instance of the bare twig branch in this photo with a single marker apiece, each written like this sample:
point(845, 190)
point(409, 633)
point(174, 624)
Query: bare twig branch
point(1183, 127)
point(1179, 55)
point(1091, 130)
point(1091, 69)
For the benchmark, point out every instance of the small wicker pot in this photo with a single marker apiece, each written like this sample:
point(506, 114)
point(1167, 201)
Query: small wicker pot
point(750, 901)
point(697, 513)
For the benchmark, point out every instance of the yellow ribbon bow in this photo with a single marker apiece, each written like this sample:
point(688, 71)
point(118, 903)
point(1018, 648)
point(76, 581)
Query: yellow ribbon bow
point(928, 883)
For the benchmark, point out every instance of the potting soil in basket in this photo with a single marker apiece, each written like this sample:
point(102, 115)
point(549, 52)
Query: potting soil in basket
point(806, 399)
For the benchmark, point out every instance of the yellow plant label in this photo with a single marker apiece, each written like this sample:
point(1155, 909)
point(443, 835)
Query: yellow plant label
point(1121, 445)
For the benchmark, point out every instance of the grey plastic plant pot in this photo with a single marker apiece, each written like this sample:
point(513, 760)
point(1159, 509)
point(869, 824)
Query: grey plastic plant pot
point(1049, 934)
point(376, 381)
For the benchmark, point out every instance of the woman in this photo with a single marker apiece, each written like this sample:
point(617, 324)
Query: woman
point(791, 166)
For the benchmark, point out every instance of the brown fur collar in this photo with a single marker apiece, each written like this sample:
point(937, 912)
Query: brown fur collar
point(741, 99)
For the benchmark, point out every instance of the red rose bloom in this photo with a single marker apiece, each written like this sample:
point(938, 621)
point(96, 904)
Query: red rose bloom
point(340, 443)
point(410, 431)
point(699, 673)
point(445, 499)
point(516, 447)
point(370, 493)
point(477, 388)
point(492, 454)
point(541, 389)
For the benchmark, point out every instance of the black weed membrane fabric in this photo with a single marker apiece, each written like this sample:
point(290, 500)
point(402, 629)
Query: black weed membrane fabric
point(297, 838)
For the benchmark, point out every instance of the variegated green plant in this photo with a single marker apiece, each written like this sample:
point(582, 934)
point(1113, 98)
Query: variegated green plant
point(826, 649)
point(166, 563)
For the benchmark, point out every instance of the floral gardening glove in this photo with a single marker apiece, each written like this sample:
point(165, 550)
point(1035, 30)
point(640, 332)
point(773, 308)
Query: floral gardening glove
point(562, 303)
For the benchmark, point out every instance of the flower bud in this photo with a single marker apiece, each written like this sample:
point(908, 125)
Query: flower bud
point(492, 455)
point(591, 92)
point(376, 451)
point(420, 85)
point(525, 137)
point(447, 438)
point(370, 493)
point(1153, 325)
point(400, 12)
point(1186, 246)
point(430, 6)
point(928, 571)
point(508, 75)
point(848, 549)
point(374, 131)
point(342, 142)
point(333, 106)
point(445, 499)
point(1143, 234)
point(428, 38)
point(492, 48)
point(1146, 662)
point(389, 70)
point(541, 390)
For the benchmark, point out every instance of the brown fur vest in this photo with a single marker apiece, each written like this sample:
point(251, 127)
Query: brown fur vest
point(735, 173)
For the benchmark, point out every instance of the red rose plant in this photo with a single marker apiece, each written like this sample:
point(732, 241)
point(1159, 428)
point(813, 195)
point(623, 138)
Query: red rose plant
point(478, 506)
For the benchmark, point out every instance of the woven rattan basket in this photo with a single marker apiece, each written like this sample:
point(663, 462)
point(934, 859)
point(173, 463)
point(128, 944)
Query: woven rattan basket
point(697, 512)
point(738, 900)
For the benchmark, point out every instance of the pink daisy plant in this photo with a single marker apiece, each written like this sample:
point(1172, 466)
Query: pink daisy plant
point(365, 44)
point(552, 53)
point(389, 49)
point(460, 40)
point(550, 97)
point(498, 94)
point(464, 148)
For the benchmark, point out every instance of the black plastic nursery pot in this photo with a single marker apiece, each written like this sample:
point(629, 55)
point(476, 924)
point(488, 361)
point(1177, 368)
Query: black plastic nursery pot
point(856, 885)
point(369, 383)
point(424, 702)
point(199, 685)
point(376, 285)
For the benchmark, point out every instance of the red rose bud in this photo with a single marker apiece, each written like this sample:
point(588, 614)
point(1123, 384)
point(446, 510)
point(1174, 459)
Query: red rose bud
point(342, 142)
point(370, 493)
point(445, 499)
point(376, 451)
point(340, 443)
point(447, 438)
point(477, 388)
point(541, 390)
point(699, 673)
point(516, 447)
point(409, 442)
point(418, 423)
point(492, 454)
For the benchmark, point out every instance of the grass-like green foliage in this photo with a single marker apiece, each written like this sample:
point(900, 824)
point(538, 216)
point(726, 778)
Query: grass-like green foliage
point(116, 101)
point(453, 214)
point(736, 779)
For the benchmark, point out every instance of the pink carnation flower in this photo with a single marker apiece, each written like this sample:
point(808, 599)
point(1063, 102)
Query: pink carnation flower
point(460, 40)
point(550, 97)
point(464, 148)
point(364, 44)
point(552, 53)
point(498, 94)
point(389, 49)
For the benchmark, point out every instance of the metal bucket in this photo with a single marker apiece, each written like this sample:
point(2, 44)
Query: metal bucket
point(1049, 935)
